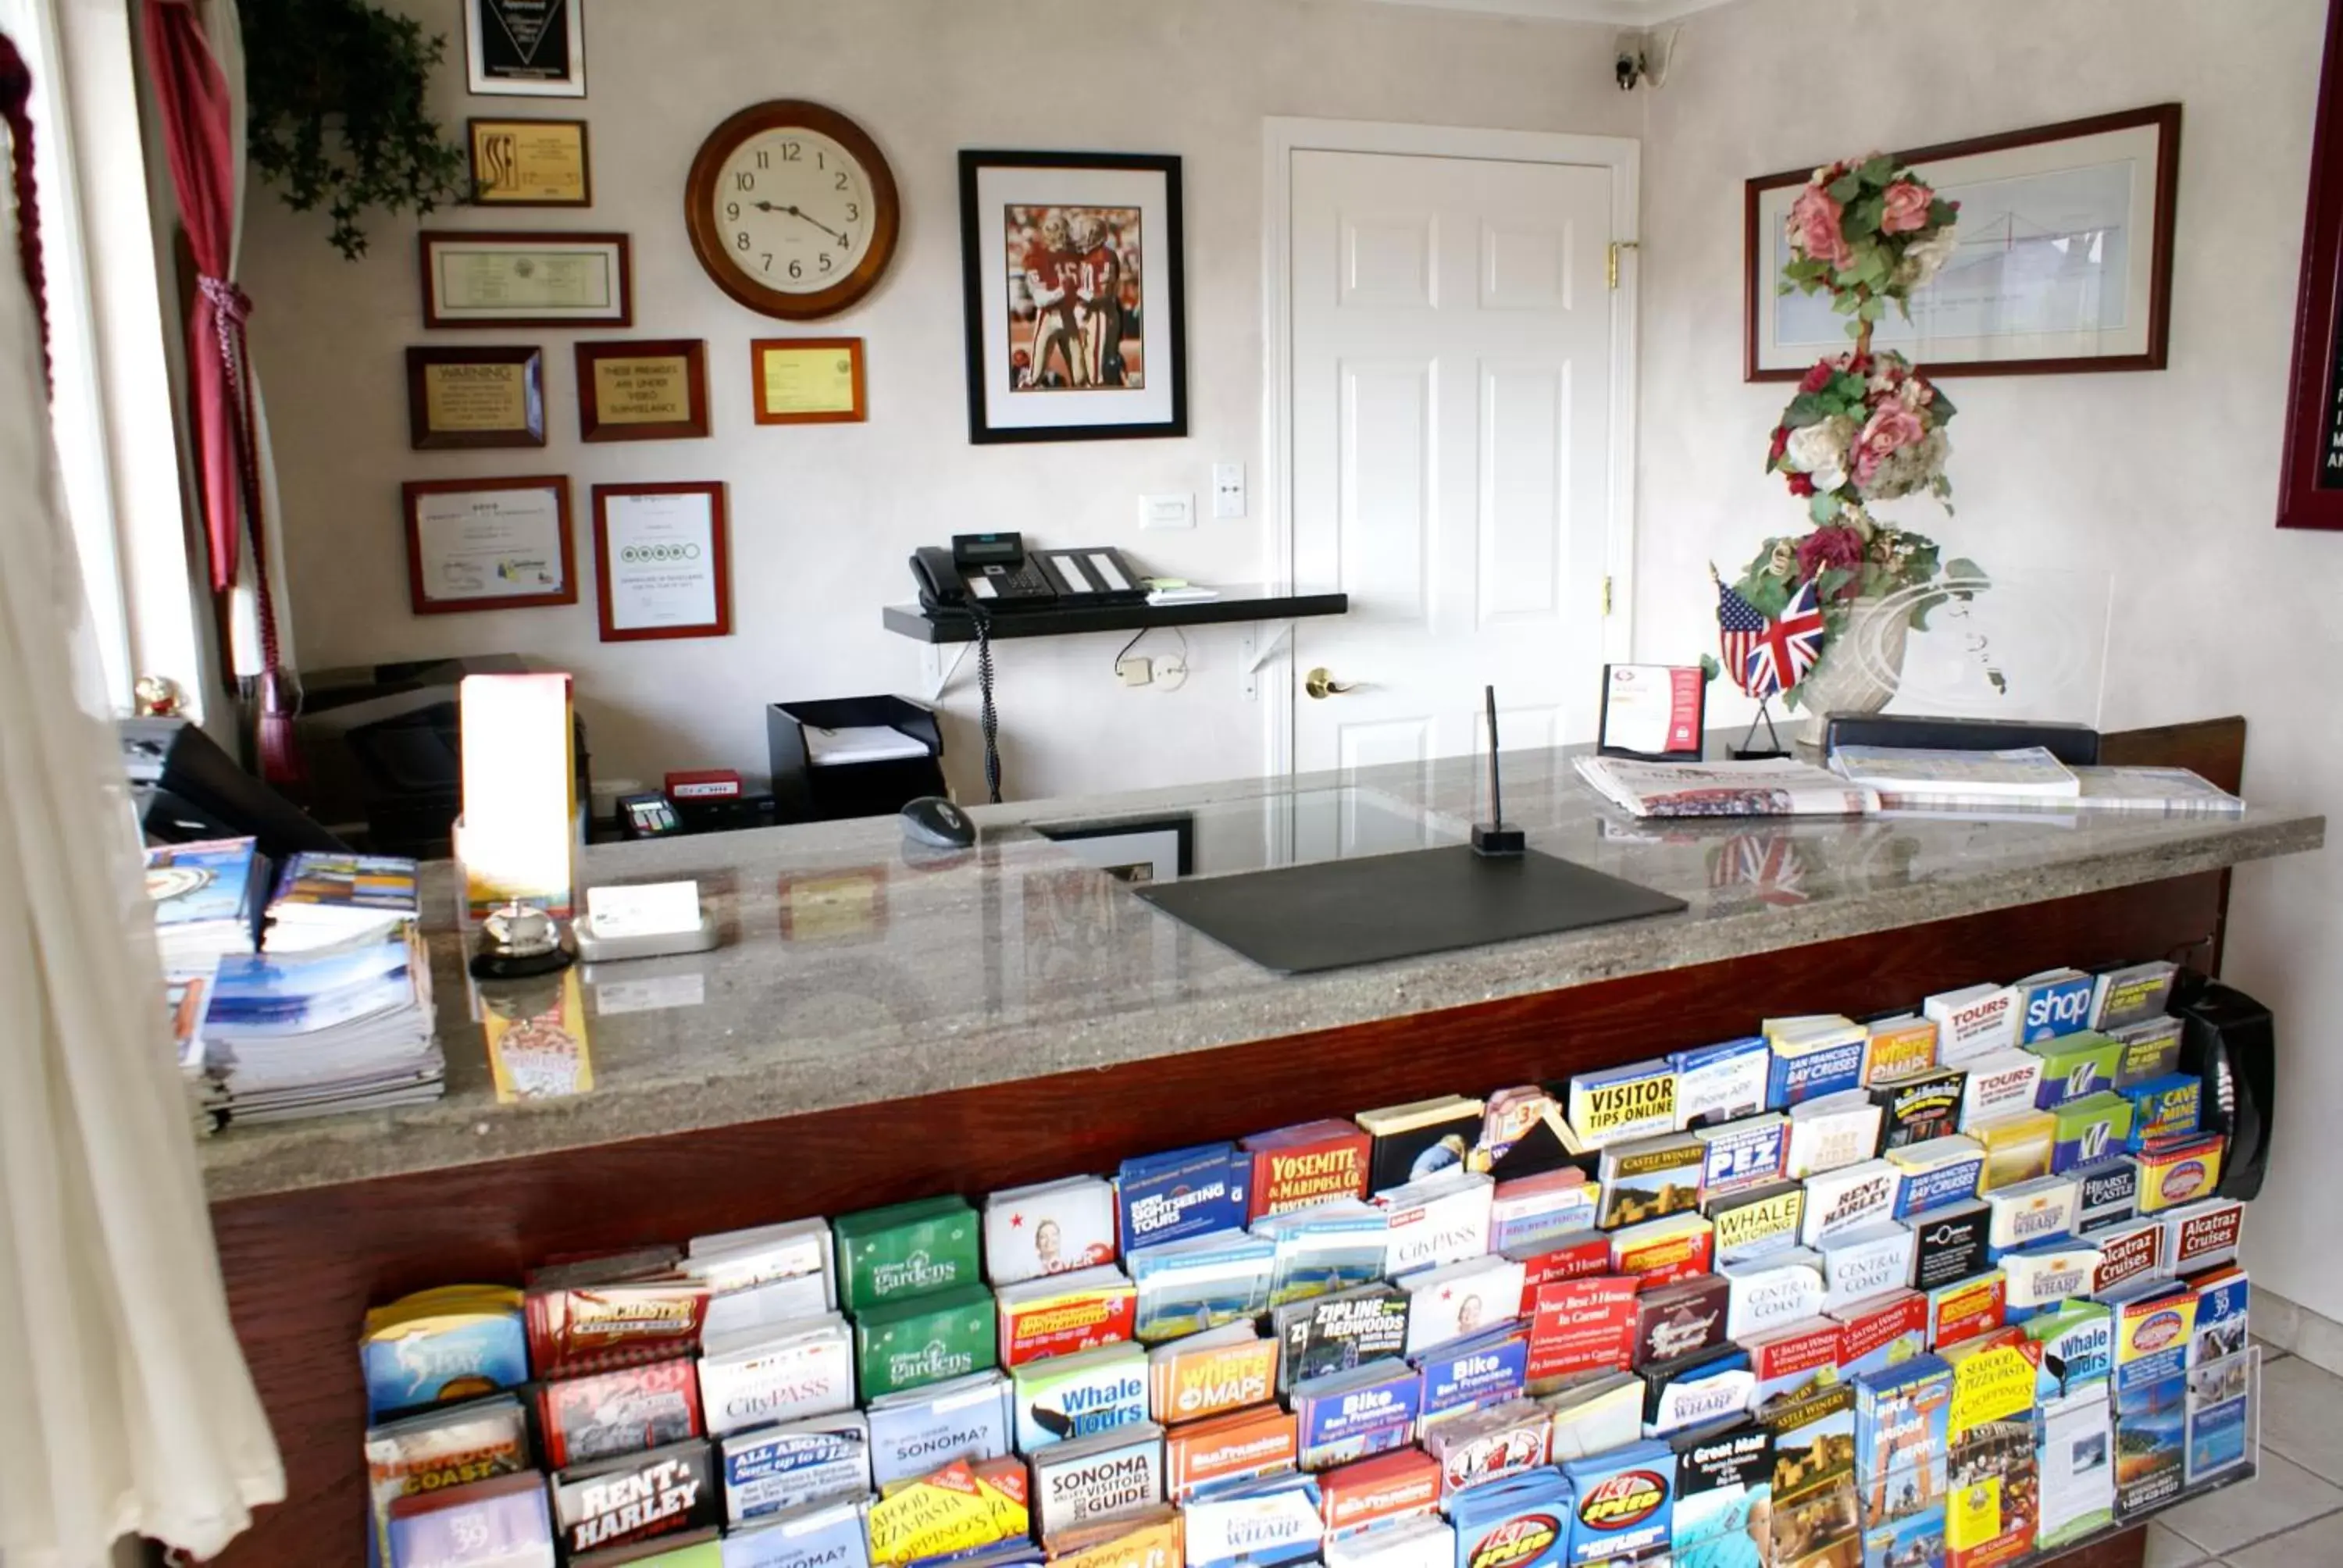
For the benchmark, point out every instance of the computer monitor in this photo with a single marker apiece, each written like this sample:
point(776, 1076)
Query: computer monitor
point(187, 789)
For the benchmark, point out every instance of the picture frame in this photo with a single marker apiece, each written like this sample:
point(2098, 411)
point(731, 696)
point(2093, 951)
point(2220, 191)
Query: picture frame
point(502, 278)
point(661, 565)
point(529, 163)
point(489, 543)
point(807, 381)
point(2018, 299)
point(1132, 850)
point(2310, 472)
point(1102, 356)
point(655, 389)
point(525, 48)
point(461, 399)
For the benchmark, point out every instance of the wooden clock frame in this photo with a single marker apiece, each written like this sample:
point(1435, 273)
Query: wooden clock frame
point(699, 209)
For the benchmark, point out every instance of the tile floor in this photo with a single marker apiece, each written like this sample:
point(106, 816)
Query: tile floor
point(2291, 1514)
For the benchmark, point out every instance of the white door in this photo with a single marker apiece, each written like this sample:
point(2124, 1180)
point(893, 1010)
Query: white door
point(1450, 428)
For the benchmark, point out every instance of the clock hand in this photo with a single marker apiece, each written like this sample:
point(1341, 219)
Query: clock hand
point(809, 217)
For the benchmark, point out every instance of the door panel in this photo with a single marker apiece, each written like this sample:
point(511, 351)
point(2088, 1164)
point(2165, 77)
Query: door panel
point(1451, 375)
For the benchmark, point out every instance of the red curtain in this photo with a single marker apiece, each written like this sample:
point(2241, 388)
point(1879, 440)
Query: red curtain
point(198, 135)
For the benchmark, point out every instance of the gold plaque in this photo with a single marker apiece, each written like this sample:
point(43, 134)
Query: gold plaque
point(651, 391)
point(808, 380)
point(530, 163)
point(476, 396)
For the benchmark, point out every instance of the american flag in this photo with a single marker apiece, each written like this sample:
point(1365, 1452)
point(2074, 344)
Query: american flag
point(1788, 647)
point(1739, 626)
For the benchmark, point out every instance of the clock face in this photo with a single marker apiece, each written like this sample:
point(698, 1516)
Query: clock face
point(791, 209)
point(795, 210)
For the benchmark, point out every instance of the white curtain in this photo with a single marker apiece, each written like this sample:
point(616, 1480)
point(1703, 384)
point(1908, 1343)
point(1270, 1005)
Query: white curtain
point(124, 1404)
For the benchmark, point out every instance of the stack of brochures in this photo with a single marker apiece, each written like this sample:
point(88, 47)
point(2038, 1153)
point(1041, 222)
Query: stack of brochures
point(336, 901)
point(207, 898)
point(1776, 787)
point(349, 1029)
point(2026, 780)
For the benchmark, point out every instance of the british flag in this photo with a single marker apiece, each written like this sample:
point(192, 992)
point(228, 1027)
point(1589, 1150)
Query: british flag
point(1787, 647)
point(1768, 863)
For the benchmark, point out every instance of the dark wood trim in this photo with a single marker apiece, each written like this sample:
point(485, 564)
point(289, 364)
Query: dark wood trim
point(1757, 286)
point(692, 351)
point(414, 490)
point(585, 162)
point(2314, 411)
point(708, 245)
point(720, 557)
point(760, 347)
point(422, 438)
point(425, 239)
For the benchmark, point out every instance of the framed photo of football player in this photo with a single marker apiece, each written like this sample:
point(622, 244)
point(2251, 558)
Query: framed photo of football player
point(1074, 299)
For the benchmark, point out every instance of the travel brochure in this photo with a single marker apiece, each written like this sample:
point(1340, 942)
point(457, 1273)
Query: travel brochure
point(1793, 1299)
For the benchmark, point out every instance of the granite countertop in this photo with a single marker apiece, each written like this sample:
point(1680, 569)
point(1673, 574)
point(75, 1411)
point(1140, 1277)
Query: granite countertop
point(850, 971)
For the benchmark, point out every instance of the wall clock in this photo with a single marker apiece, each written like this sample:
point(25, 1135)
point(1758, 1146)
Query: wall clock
point(791, 209)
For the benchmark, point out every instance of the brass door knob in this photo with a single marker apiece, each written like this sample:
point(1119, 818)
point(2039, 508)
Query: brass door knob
point(1320, 683)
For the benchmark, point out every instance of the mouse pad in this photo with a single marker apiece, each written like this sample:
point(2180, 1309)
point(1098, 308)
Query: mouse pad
point(1333, 914)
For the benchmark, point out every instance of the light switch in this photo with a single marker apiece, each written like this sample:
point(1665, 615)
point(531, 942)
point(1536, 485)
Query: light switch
point(1228, 490)
point(1167, 511)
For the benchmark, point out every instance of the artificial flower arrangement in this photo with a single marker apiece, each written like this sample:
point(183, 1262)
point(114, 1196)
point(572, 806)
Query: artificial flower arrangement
point(1864, 425)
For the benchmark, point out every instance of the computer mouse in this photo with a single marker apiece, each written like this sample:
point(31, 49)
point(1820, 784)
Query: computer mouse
point(932, 820)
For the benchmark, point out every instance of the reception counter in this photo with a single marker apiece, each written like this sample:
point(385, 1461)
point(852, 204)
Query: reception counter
point(879, 1024)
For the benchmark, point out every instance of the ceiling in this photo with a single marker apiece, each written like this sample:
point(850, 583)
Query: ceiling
point(1626, 12)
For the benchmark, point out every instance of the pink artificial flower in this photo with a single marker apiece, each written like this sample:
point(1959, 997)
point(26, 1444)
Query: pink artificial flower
point(1817, 378)
point(1801, 484)
point(1814, 225)
point(1833, 545)
point(1906, 208)
point(1891, 425)
point(1781, 445)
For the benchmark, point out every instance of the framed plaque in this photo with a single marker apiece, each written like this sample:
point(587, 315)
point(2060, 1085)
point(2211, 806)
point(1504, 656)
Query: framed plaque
point(649, 391)
point(489, 543)
point(808, 380)
point(2310, 474)
point(464, 397)
point(473, 278)
point(2064, 257)
point(659, 563)
point(525, 48)
point(529, 163)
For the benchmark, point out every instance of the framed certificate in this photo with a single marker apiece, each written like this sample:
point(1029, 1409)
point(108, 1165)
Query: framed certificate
point(808, 380)
point(489, 543)
point(659, 563)
point(530, 163)
point(464, 397)
point(525, 48)
point(649, 391)
point(473, 278)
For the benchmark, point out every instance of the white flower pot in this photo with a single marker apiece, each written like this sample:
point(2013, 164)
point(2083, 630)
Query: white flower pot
point(1860, 668)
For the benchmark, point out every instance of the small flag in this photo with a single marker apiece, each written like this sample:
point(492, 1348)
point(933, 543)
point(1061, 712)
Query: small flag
point(1788, 646)
point(1739, 626)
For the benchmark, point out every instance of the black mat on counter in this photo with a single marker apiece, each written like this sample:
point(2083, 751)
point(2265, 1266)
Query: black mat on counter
point(1333, 914)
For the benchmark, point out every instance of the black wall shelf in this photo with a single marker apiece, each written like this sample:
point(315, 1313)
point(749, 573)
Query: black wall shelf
point(1250, 602)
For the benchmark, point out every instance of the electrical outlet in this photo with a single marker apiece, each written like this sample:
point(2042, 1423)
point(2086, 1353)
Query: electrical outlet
point(1135, 669)
point(1228, 490)
point(1167, 511)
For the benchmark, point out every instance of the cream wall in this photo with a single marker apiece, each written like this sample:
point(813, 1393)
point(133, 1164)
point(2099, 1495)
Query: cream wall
point(823, 516)
point(2170, 478)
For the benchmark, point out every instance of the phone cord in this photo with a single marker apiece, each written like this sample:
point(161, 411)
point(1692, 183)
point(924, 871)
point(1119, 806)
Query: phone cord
point(988, 717)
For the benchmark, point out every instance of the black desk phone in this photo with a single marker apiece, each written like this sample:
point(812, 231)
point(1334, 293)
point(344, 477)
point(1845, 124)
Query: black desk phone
point(994, 572)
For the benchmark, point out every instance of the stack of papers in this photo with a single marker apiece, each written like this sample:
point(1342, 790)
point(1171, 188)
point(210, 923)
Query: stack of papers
point(2168, 791)
point(1778, 786)
point(207, 898)
point(1915, 776)
point(334, 900)
point(859, 743)
point(292, 1035)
